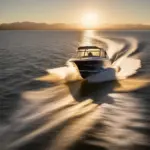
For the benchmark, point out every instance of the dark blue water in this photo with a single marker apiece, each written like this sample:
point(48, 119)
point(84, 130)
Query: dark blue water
point(77, 115)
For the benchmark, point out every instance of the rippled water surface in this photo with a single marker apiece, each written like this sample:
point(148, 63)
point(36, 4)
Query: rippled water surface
point(73, 115)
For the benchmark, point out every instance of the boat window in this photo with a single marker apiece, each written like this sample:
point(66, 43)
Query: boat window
point(80, 54)
point(91, 53)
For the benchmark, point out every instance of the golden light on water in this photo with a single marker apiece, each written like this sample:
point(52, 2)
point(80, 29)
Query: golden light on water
point(90, 20)
point(87, 37)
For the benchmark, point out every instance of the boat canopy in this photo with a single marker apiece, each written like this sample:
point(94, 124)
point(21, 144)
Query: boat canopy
point(88, 47)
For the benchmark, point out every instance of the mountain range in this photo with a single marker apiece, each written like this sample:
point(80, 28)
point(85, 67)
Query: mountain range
point(63, 26)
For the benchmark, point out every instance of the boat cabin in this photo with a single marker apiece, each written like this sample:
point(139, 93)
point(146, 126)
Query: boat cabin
point(91, 51)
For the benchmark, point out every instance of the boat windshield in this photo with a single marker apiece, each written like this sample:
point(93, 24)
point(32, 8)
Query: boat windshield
point(91, 53)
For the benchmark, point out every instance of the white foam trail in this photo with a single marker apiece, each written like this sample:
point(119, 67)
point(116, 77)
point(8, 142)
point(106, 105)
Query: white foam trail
point(125, 45)
point(121, 45)
point(129, 67)
point(113, 47)
point(63, 72)
point(133, 46)
point(68, 73)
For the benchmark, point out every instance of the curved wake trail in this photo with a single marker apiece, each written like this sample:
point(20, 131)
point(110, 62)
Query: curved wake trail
point(119, 50)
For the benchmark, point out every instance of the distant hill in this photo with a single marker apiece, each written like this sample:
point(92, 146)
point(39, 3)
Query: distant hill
point(35, 26)
point(62, 26)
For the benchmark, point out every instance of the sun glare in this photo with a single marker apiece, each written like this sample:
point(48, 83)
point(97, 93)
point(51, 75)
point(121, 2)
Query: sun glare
point(90, 20)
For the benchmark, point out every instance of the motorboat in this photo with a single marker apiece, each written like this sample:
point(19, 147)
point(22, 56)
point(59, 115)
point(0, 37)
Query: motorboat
point(90, 60)
point(93, 64)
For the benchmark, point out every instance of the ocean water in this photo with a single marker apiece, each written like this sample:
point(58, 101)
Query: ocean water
point(39, 114)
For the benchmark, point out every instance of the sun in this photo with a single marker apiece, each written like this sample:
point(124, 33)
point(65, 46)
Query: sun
point(90, 20)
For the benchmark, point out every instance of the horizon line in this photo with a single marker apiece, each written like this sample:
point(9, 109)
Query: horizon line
point(73, 23)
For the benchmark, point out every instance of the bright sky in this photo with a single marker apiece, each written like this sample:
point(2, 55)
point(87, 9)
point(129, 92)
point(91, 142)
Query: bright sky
point(71, 11)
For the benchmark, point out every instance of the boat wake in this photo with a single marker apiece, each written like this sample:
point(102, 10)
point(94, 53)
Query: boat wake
point(119, 50)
